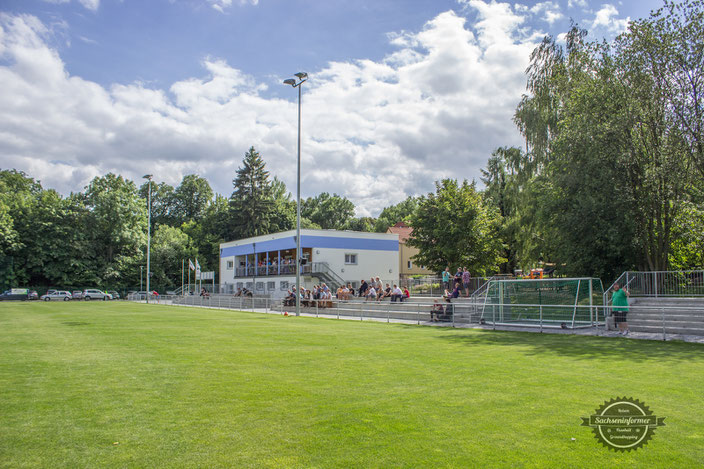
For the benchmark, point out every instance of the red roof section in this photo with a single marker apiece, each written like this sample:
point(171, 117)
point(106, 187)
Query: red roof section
point(402, 230)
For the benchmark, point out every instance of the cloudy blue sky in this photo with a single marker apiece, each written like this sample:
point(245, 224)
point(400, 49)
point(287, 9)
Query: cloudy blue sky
point(401, 92)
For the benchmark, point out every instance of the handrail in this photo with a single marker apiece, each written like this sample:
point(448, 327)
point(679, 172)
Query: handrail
point(483, 290)
point(672, 283)
point(611, 287)
point(326, 270)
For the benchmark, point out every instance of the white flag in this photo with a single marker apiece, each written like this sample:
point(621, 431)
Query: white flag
point(197, 266)
point(190, 265)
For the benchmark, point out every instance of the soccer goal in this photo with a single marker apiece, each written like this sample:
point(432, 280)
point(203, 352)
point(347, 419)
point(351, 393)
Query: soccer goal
point(551, 302)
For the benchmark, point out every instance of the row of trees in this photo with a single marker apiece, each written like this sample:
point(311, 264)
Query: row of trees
point(98, 237)
point(612, 178)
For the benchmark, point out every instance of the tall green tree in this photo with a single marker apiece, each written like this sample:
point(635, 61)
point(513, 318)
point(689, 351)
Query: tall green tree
point(18, 199)
point(117, 221)
point(163, 203)
point(328, 211)
point(284, 213)
point(191, 198)
point(170, 246)
point(606, 154)
point(454, 227)
point(669, 46)
point(361, 224)
point(251, 203)
point(389, 216)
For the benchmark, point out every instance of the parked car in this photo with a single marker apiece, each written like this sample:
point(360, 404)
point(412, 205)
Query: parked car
point(93, 294)
point(137, 295)
point(15, 294)
point(50, 291)
point(33, 295)
point(60, 295)
point(77, 294)
point(114, 294)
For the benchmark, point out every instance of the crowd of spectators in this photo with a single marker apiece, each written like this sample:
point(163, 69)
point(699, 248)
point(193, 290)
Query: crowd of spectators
point(271, 267)
point(373, 290)
point(462, 277)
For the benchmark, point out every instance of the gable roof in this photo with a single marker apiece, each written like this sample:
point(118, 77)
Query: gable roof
point(402, 230)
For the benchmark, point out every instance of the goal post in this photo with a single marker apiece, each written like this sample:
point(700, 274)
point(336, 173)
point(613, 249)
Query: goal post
point(552, 302)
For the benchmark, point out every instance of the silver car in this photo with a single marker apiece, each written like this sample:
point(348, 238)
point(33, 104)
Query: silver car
point(94, 294)
point(60, 295)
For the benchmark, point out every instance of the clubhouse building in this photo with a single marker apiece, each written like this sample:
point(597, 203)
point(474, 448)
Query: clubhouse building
point(267, 264)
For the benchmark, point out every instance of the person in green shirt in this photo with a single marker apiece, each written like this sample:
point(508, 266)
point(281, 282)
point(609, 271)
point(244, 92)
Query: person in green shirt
point(446, 278)
point(619, 300)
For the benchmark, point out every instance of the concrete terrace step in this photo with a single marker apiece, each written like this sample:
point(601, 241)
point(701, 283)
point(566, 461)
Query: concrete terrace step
point(659, 323)
point(668, 329)
point(669, 301)
point(695, 318)
point(413, 299)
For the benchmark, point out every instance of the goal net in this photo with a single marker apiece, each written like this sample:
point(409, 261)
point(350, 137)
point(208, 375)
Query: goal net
point(559, 302)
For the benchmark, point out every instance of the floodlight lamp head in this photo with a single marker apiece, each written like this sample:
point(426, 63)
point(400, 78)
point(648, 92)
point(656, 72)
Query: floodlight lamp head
point(290, 81)
point(148, 176)
point(301, 75)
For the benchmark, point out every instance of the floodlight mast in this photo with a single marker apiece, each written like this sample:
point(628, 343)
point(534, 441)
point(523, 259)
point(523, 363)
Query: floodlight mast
point(148, 177)
point(302, 77)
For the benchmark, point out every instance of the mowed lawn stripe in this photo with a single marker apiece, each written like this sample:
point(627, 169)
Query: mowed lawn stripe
point(187, 387)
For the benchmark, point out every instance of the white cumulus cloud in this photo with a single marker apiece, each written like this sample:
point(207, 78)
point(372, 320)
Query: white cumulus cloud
point(607, 19)
point(222, 5)
point(374, 131)
point(548, 11)
point(92, 5)
point(577, 3)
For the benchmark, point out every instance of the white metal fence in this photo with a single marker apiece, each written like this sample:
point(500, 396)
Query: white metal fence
point(433, 286)
point(659, 319)
point(682, 283)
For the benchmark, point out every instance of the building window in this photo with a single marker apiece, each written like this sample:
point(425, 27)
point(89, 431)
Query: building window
point(249, 286)
point(271, 286)
point(410, 264)
point(350, 258)
point(240, 285)
point(260, 286)
point(230, 265)
point(284, 285)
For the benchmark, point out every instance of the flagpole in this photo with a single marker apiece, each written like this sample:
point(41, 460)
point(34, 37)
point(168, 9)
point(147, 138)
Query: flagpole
point(183, 261)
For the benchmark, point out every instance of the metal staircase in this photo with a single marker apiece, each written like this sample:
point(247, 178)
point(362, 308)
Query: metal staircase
point(323, 272)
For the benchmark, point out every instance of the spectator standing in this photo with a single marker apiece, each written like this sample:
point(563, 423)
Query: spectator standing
point(446, 278)
point(466, 278)
point(619, 299)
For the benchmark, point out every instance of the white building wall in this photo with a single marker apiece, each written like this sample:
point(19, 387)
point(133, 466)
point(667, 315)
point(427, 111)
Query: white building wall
point(369, 263)
point(382, 264)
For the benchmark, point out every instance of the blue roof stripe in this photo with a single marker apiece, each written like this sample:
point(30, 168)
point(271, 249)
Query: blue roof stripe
point(307, 241)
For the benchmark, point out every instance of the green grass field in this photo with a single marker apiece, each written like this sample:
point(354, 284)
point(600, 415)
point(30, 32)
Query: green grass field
point(127, 385)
